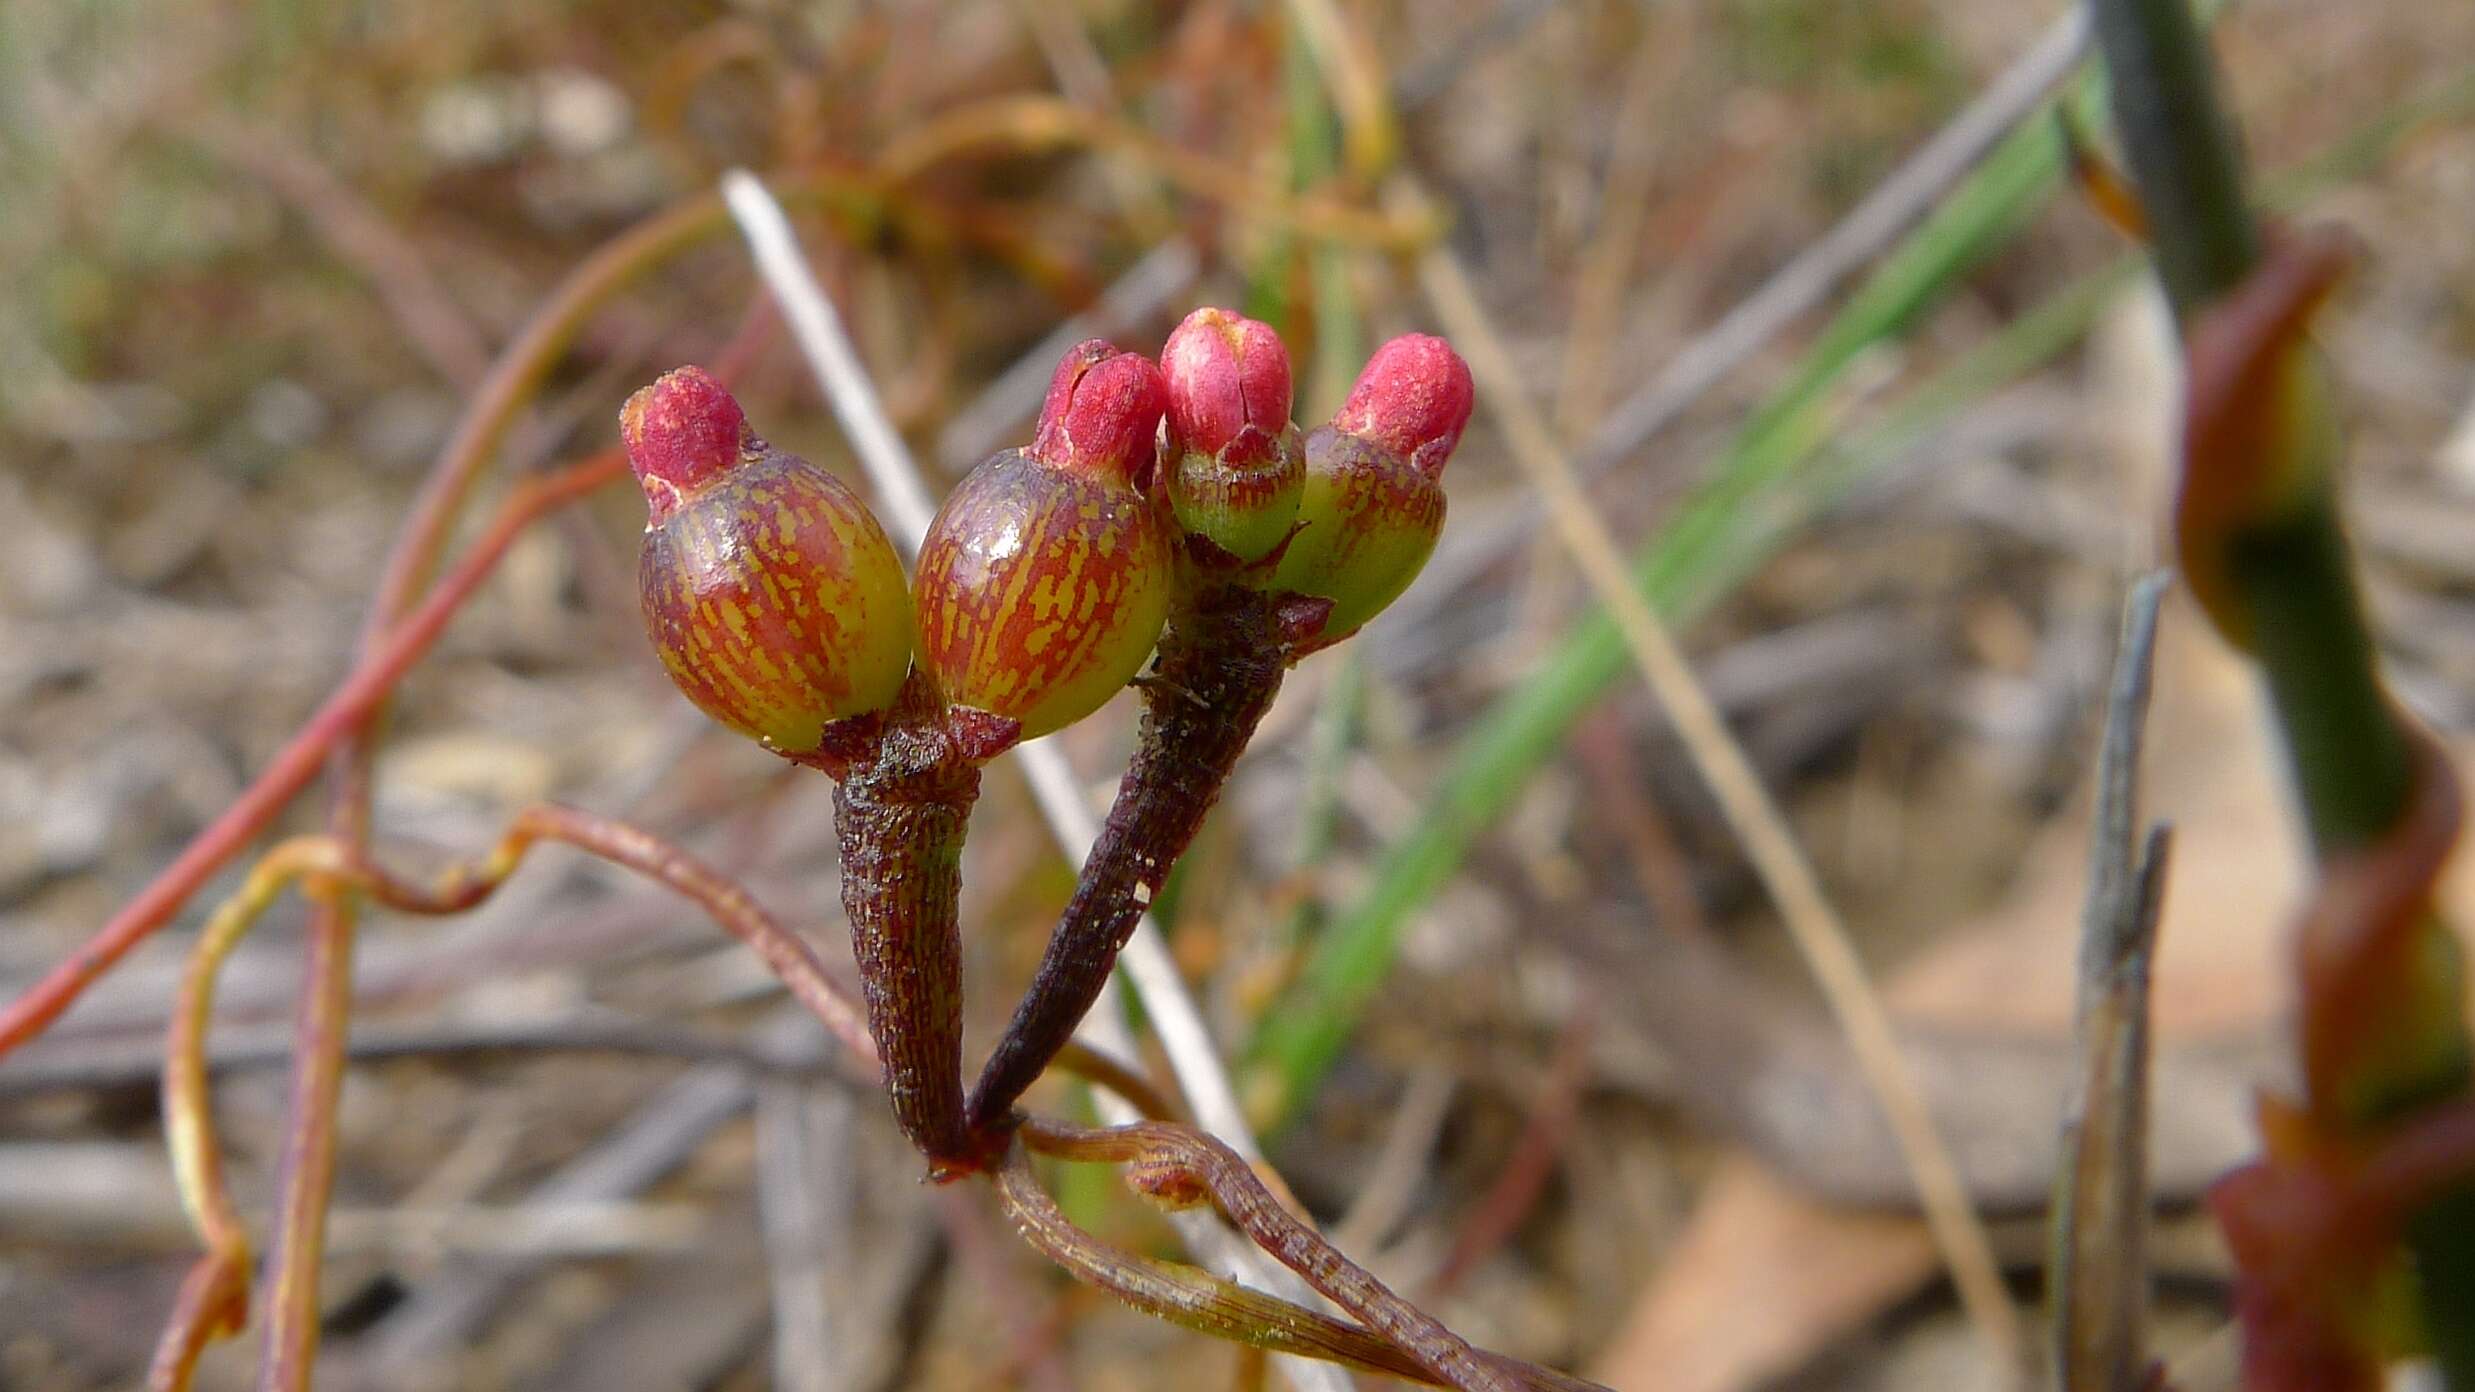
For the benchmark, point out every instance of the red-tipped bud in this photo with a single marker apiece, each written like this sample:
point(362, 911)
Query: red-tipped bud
point(1374, 501)
point(1236, 474)
point(1102, 414)
point(1414, 399)
point(1044, 580)
point(681, 433)
point(1225, 373)
point(773, 598)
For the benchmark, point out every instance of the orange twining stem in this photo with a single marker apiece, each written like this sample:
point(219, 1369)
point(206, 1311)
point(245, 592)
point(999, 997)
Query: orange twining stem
point(299, 760)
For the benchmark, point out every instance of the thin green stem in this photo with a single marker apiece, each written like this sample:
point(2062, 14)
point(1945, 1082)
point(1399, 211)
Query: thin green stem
point(2180, 145)
point(2296, 574)
point(2262, 530)
point(2318, 660)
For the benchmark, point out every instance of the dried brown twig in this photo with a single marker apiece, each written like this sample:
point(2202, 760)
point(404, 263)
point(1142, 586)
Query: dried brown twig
point(2101, 1201)
point(1182, 1168)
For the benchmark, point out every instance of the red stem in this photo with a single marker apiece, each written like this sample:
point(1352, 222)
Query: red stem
point(901, 807)
point(298, 762)
point(1220, 664)
point(305, 1178)
point(305, 1173)
point(1194, 1299)
point(213, 1303)
point(1179, 1166)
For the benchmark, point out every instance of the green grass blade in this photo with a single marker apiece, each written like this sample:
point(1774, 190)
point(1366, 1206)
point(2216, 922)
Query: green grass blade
point(1775, 474)
point(1729, 526)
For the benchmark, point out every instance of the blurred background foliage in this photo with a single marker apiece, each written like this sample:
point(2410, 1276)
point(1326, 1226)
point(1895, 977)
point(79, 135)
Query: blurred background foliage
point(1570, 1083)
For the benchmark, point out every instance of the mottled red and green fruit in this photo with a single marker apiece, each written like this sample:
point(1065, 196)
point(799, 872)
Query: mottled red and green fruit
point(1374, 498)
point(774, 599)
point(1045, 577)
point(1236, 469)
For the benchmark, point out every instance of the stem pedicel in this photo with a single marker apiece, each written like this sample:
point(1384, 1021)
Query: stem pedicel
point(1367, 507)
point(779, 607)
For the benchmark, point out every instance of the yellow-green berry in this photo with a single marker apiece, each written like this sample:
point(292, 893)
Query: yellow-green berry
point(1374, 498)
point(1045, 578)
point(773, 597)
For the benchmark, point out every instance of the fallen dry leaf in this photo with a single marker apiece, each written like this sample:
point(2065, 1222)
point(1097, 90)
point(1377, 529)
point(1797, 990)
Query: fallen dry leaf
point(2219, 970)
point(1762, 1280)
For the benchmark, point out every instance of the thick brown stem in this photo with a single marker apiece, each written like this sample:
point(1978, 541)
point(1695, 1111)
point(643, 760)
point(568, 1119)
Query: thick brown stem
point(900, 811)
point(1197, 1300)
point(1181, 1168)
point(1219, 667)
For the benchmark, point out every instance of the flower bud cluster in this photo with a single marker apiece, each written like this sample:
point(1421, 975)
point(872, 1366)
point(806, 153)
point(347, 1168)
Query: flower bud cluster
point(779, 606)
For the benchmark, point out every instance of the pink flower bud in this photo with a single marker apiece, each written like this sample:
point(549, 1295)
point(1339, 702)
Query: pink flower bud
point(681, 433)
point(1225, 373)
point(1102, 414)
point(1234, 471)
point(1414, 398)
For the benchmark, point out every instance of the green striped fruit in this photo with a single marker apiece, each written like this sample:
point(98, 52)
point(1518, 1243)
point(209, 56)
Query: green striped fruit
point(771, 594)
point(1374, 500)
point(1045, 578)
